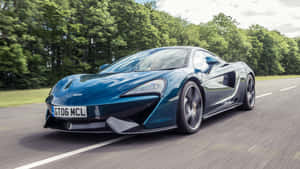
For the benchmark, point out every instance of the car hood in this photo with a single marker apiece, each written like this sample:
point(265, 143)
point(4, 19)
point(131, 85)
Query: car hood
point(93, 89)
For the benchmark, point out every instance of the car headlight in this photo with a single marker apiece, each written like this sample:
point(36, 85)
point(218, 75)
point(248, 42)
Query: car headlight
point(152, 87)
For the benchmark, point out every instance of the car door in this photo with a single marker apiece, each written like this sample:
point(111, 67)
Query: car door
point(218, 79)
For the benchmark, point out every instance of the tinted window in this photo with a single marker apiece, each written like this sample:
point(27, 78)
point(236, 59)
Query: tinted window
point(200, 61)
point(154, 59)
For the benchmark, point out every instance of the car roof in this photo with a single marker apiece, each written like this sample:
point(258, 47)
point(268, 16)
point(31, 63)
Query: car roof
point(183, 47)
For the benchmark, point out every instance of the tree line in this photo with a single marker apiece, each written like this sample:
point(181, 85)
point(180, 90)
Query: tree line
point(42, 41)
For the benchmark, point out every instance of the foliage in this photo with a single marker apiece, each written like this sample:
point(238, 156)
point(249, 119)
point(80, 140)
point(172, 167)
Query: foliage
point(42, 41)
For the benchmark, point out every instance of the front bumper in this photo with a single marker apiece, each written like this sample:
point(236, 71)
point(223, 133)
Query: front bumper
point(111, 125)
point(124, 117)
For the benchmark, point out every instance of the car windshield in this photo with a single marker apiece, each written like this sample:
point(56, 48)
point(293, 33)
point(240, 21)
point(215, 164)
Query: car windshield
point(150, 60)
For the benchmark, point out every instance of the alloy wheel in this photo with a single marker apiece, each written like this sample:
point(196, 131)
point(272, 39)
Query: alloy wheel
point(193, 107)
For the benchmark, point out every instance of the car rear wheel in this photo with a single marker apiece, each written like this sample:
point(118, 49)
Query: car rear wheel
point(190, 108)
point(249, 98)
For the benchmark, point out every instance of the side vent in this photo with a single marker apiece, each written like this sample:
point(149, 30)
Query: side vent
point(229, 79)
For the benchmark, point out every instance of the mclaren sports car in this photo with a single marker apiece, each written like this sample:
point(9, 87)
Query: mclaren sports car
point(150, 91)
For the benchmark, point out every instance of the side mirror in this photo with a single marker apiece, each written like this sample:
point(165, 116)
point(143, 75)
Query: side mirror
point(211, 61)
point(103, 66)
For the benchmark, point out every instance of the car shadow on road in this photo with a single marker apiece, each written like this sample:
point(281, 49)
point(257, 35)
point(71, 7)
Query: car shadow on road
point(173, 135)
point(221, 117)
point(54, 141)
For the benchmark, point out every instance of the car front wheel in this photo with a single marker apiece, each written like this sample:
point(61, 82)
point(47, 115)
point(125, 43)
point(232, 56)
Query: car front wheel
point(190, 108)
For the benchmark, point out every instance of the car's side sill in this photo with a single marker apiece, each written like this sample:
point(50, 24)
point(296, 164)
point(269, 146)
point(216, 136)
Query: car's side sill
point(146, 131)
point(221, 111)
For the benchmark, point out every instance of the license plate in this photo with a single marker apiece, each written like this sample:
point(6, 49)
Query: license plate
point(69, 111)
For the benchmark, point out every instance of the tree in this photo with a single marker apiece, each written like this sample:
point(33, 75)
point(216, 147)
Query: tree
point(267, 51)
point(13, 57)
point(238, 45)
point(134, 22)
point(291, 60)
point(42, 41)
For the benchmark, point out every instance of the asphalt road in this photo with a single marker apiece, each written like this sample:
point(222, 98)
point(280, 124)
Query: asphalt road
point(266, 137)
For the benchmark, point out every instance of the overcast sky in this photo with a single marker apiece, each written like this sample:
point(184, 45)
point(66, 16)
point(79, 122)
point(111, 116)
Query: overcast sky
point(282, 15)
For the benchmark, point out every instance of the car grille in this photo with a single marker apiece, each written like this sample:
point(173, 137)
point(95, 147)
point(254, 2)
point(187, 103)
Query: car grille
point(134, 111)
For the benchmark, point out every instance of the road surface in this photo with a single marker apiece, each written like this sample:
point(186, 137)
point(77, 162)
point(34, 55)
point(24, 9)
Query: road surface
point(266, 137)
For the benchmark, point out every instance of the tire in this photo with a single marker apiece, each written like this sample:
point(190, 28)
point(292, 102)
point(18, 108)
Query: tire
point(190, 110)
point(249, 97)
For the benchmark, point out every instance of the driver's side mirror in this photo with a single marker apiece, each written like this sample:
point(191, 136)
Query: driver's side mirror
point(211, 61)
point(103, 66)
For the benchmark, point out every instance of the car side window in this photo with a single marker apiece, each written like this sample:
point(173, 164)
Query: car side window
point(200, 61)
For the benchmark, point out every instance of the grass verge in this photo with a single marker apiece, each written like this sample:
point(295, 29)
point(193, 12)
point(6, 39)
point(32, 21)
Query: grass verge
point(20, 97)
point(276, 77)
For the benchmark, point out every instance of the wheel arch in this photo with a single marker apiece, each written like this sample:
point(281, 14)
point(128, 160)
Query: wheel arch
point(197, 81)
point(253, 76)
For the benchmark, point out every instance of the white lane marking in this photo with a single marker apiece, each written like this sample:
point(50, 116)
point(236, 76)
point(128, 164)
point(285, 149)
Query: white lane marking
point(297, 156)
point(252, 148)
point(288, 88)
point(4, 128)
point(263, 95)
point(71, 153)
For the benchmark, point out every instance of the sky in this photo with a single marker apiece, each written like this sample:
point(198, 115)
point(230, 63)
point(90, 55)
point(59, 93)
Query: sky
point(281, 15)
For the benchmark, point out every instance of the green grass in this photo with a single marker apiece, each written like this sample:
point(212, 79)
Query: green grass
point(20, 97)
point(276, 77)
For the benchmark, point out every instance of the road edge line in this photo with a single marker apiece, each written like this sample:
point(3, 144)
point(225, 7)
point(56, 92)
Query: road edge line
point(263, 95)
point(288, 88)
point(71, 153)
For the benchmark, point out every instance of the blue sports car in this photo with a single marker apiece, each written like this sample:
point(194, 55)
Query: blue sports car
point(150, 91)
